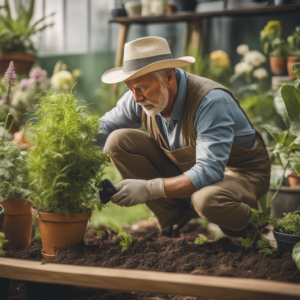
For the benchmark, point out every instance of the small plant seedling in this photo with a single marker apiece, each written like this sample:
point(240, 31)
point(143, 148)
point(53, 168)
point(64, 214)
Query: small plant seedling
point(99, 232)
point(247, 243)
point(37, 234)
point(267, 251)
point(127, 239)
point(2, 242)
point(201, 240)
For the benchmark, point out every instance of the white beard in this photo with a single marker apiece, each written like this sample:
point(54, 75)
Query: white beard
point(163, 100)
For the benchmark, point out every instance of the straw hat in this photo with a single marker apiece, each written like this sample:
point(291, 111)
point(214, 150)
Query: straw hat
point(143, 56)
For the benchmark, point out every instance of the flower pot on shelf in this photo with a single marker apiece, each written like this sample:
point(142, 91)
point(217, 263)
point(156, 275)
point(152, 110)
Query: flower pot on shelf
point(278, 65)
point(133, 9)
point(290, 61)
point(287, 200)
point(17, 225)
point(58, 231)
point(118, 12)
point(285, 242)
point(22, 62)
point(293, 179)
point(186, 5)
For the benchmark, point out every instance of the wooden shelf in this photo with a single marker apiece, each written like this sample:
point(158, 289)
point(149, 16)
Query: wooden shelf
point(149, 281)
point(191, 16)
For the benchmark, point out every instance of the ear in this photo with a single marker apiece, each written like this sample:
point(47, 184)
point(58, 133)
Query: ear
point(170, 77)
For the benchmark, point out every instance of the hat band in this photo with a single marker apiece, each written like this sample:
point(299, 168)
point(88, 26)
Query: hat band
point(137, 64)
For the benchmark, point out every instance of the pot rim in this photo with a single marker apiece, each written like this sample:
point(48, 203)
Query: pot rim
point(286, 234)
point(55, 217)
point(288, 189)
point(15, 54)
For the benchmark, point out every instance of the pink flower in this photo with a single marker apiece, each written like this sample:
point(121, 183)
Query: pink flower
point(10, 76)
point(25, 83)
point(38, 75)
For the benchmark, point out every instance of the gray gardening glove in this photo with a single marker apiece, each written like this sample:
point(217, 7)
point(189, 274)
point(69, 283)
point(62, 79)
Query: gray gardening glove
point(134, 191)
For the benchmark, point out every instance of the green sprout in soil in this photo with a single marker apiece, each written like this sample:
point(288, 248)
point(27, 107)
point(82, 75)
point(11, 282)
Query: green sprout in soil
point(201, 240)
point(127, 239)
point(100, 232)
point(13, 173)
point(65, 163)
point(2, 241)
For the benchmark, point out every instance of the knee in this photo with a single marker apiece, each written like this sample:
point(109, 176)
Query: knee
point(115, 141)
point(203, 202)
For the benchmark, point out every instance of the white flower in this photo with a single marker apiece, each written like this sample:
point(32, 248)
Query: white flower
point(62, 80)
point(243, 67)
point(260, 73)
point(254, 58)
point(242, 49)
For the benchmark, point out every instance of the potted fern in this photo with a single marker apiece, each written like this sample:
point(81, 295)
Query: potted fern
point(64, 166)
point(287, 150)
point(16, 35)
point(17, 224)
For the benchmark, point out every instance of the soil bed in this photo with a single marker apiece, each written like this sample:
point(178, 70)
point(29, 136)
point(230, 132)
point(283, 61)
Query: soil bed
point(152, 251)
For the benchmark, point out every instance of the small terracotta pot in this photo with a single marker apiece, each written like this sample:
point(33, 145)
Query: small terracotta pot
point(278, 65)
point(290, 61)
point(17, 225)
point(293, 179)
point(59, 231)
point(22, 62)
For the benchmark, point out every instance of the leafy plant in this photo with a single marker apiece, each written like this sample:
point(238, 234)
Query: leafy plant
point(65, 163)
point(13, 173)
point(127, 239)
point(100, 232)
point(15, 34)
point(289, 224)
point(294, 42)
point(2, 242)
point(267, 251)
point(271, 40)
point(200, 240)
point(247, 243)
point(296, 255)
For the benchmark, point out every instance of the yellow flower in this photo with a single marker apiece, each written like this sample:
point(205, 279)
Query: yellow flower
point(272, 28)
point(219, 58)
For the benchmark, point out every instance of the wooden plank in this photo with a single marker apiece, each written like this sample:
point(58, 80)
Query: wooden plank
point(189, 16)
point(149, 281)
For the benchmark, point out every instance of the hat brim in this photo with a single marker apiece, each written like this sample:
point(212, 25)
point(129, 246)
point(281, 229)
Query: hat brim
point(117, 75)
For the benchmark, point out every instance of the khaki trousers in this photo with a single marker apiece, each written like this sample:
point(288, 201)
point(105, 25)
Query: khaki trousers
point(226, 203)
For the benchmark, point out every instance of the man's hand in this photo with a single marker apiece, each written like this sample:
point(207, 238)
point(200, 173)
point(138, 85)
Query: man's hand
point(133, 191)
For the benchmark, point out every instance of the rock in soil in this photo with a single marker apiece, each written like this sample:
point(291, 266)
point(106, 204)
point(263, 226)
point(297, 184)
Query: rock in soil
point(151, 250)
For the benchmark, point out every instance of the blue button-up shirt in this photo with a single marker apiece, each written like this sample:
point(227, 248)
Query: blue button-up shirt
point(218, 123)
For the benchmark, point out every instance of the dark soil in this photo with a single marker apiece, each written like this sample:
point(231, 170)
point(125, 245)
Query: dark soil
point(152, 251)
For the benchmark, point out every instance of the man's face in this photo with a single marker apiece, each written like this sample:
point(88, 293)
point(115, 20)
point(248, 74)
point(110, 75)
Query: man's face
point(149, 93)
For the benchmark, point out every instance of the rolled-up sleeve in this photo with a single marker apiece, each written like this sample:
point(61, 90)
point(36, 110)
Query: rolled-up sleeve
point(214, 126)
point(126, 114)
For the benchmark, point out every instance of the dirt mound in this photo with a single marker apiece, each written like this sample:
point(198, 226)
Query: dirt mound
point(151, 250)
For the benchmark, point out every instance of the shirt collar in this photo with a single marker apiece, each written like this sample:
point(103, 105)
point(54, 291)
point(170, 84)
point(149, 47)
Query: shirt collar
point(182, 80)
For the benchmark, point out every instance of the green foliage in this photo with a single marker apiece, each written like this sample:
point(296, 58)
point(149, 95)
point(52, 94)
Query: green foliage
point(65, 163)
point(201, 240)
point(294, 42)
point(99, 232)
point(247, 243)
point(267, 251)
point(15, 34)
point(37, 234)
point(270, 38)
point(127, 239)
point(2, 241)
point(289, 224)
point(263, 244)
point(296, 255)
point(13, 173)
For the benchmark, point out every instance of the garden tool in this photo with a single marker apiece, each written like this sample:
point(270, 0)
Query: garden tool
point(108, 190)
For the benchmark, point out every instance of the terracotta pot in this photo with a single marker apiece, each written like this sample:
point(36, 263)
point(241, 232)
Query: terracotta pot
point(59, 231)
point(290, 61)
point(293, 179)
point(22, 62)
point(278, 65)
point(17, 224)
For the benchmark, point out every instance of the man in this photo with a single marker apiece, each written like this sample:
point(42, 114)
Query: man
point(196, 129)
